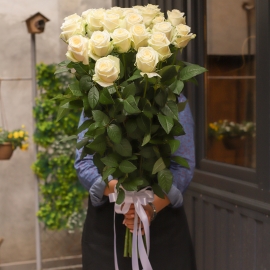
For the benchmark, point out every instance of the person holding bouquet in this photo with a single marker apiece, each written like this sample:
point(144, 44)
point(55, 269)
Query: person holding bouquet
point(135, 144)
point(171, 246)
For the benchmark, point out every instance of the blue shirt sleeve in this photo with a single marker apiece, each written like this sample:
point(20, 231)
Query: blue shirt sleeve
point(88, 173)
point(183, 176)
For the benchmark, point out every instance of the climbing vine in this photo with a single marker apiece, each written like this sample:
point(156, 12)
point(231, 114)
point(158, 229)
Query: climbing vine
point(62, 205)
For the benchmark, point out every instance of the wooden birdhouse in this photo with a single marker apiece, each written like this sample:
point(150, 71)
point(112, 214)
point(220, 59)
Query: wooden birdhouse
point(36, 23)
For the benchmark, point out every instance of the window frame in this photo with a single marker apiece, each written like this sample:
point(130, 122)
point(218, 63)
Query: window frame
point(238, 184)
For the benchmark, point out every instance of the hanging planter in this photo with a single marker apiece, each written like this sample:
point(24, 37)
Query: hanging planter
point(10, 140)
point(233, 143)
point(6, 151)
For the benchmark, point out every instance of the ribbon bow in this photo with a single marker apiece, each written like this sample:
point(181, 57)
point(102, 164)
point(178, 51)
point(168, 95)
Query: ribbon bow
point(138, 198)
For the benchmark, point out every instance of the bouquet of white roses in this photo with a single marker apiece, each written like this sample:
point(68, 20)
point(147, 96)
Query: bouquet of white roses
point(128, 83)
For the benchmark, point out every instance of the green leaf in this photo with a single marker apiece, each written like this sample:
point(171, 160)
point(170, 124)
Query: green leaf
point(158, 166)
point(146, 139)
point(73, 104)
point(166, 122)
point(61, 70)
point(114, 133)
point(84, 125)
point(86, 83)
point(147, 110)
point(167, 73)
point(130, 105)
point(122, 70)
point(165, 179)
point(127, 167)
point(191, 71)
point(82, 143)
point(177, 129)
point(121, 196)
point(135, 76)
point(97, 161)
point(105, 97)
point(64, 63)
point(161, 97)
point(69, 138)
point(181, 106)
point(129, 90)
point(80, 68)
point(93, 97)
point(181, 161)
point(171, 109)
point(174, 145)
point(147, 152)
point(62, 112)
point(131, 125)
point(98, 144)
point(110, 161)
point(111, 89)
point(143, 123)
point(75, 89)
point(123, 148)
point(61, 96)
point(107, 172)
point(101, 117)
point(177, 87)
point(158, 191)
point(86, 105)
point(133, 184)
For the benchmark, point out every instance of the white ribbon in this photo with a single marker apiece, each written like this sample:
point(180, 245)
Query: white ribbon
point(138, 198)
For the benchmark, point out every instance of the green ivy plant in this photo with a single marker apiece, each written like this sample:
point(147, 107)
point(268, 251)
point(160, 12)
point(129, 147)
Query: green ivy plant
point(62, 205)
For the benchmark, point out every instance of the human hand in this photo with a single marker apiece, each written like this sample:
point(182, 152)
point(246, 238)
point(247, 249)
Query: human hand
point(130, 217)
point(110, 187)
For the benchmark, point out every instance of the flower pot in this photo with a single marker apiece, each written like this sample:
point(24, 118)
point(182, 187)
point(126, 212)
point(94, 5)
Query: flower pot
point(233, 143)
point(6, 151)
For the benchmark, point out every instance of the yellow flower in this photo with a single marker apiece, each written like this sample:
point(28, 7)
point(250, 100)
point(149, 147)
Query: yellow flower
point(21, 133)
point(23, 126)
point(220, 137)
point(10, 135)
point(16, 135)
point(24, 147)
point(213, 126)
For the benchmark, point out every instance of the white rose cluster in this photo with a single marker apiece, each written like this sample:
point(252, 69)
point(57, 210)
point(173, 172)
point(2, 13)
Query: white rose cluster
point(143, 29)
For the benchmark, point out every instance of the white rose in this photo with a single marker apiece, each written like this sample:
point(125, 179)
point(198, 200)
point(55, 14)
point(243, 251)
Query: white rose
point(176, 17)
point(117, 10)
point(158, 19)
point(146, 59)
point(126, 11)
point(100, 44)
point(182, 36)
point(164, 27)
point(111, 21)
point(160, 43)
point(107, 70)
point(94, 19)
point(121, 40)
point(132, 19)
point(156, 7)
point(78, 49)
point(72, 25)
point(139, 8)
point(149, 14)
point(139, 36)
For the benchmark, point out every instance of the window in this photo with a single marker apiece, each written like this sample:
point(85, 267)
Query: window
point(233, 41)
point(230, 82)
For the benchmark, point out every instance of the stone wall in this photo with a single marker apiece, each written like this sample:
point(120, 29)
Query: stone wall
point(17, 182)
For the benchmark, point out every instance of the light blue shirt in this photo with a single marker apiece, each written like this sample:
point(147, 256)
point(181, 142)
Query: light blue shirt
point(91, 179)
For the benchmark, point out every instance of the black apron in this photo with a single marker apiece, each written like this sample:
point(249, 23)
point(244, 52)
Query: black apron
point(170, 243)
